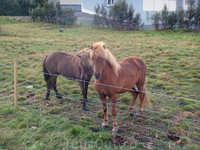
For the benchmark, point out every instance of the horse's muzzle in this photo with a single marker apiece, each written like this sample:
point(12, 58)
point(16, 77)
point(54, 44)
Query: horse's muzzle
point(97, 76)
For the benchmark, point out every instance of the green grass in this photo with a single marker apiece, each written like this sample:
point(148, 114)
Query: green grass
point(173, 65)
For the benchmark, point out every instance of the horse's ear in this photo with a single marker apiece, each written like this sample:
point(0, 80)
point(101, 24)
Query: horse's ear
point(104, 47)
point(91, 47)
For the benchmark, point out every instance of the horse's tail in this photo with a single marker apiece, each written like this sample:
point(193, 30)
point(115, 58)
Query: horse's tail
point(46, 73)
point(146, 101)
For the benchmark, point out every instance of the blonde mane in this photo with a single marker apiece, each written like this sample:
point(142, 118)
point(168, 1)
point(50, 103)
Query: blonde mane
point(100, 51)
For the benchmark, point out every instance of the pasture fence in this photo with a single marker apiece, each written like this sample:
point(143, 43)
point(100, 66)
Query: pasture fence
point(155, 129)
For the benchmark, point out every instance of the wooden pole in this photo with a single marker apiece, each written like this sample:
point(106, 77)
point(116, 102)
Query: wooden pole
point(15, 84)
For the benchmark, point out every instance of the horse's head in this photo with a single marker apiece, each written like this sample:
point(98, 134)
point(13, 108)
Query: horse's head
point(98, 56)
point(85, 64)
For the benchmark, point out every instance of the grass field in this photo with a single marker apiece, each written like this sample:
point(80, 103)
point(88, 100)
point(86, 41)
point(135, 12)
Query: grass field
point(173, 62)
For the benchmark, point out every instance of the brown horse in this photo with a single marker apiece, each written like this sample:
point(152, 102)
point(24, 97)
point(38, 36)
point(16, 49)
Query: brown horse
point(112, 77)
point(70, 66)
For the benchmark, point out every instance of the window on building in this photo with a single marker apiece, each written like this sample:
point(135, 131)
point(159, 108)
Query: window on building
point(186, 2)
point(110, 2)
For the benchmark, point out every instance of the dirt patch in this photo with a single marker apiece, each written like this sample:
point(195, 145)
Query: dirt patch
point(183, 103)
point(31, 95)
point(118, 140)
point(172, 136)
point(95, 130)
point(181, 116)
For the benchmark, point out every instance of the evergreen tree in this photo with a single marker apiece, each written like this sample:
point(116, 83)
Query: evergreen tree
point(103, 13)
point(172, 20)
point(131, 11)
point(197, 14)
point(123, 14)
point(137, 20)
point(156, 19)
point(190, 11)
point(164, 16)
point(96, 17)
point(181, 16)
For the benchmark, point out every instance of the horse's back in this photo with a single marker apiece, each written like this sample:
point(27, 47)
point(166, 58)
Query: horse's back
point(133, 70)
point(133, 62)
point(59, 55)
point(59, 62)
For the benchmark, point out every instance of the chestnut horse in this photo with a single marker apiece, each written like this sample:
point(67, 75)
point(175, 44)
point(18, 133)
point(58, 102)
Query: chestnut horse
point(70, 66)
point(112, 77)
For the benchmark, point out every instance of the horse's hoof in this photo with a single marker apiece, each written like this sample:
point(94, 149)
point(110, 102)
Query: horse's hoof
point(86, 101)
point(104, 126)
point(46, 98)
point(132, 114)
point(114, 130)
point(59, 97)
point(83, 108)
point(138, 115)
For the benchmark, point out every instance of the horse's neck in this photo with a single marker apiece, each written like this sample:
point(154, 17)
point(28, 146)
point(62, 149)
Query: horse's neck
point(108, 73)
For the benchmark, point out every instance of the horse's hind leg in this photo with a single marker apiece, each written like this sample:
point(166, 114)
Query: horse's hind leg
point(134, 93)
point(48, 82)
point(53, 83)
point(141, 97)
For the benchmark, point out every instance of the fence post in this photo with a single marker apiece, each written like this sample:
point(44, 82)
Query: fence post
point(15, 84)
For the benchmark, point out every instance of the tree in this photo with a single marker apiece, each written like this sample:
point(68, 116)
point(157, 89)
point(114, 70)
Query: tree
point(7, 7)
point(156, 19)
point(131, 11)
point(67, 17)
point(190, 11)
point(137, 20)
point(119, 13)
point(103, 13)
point(123, 13)
point(96, 16)
point(113, 14)
point(19, 7)
point(59, 11)
point(197, 14)
point(164, 16)
point(172, 20)
point(49, 11)
point(181, 16)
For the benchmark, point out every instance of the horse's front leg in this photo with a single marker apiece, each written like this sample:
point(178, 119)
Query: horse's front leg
point(114, 113)
point(105, 110)
point(86, 89)
point(83, 107)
